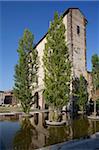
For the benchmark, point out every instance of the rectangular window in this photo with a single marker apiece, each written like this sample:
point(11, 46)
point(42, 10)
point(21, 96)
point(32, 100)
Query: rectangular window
point(78, 30)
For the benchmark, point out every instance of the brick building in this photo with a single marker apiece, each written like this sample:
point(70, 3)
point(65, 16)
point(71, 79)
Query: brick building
point(75, 24)
point(9, 98)
point(2, 96)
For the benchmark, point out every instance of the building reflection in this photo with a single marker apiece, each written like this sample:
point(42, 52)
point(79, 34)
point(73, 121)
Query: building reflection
point(23, 137)
point(93, 126)
point(48, 135)
point(38, 121)
point(10, 117)
point(34, 133)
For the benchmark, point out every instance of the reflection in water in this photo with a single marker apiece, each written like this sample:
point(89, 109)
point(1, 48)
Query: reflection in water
point(9, 117)
point(33, 132)
point(80, 128)
point(23, 137)
point(36, 118)
point(57, 135)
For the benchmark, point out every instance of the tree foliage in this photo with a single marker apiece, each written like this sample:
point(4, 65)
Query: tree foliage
point(57, 67)
point(24, 136)
point(80, 92)
point(26, 71)
point(95, 71)
point(95, 77)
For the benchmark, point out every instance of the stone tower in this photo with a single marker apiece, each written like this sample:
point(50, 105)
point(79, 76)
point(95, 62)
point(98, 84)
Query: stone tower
point(75, 24)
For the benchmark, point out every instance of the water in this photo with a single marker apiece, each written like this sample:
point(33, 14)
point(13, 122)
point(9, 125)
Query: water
point(17, 133)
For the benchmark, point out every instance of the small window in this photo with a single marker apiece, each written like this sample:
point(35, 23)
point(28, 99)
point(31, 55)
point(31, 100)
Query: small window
point(78, 30)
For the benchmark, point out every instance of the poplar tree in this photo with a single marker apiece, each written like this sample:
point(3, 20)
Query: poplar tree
point(26, 71)
point(82, 93)
point(95, 71)
point(95, 76)
point(57, 66)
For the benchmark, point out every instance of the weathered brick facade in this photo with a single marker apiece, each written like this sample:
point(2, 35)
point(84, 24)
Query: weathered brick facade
point(75, 24)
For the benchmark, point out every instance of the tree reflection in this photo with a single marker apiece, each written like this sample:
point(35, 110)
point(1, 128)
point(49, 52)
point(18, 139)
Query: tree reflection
point(58, 134)
point(80, 128)
point(35, 136)
point(23, 138)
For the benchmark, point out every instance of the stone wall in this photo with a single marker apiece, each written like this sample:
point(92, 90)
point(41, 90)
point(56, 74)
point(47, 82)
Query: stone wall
point(2, 96)
point(40, 48)
point(76, 44)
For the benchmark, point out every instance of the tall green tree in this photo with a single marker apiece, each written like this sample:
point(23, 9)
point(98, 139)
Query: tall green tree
point(95, 76)
point(57, 66)
point(95, 71)
point(26, 71)
point(80, 93)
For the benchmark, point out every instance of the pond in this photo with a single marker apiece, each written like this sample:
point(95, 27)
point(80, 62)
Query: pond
point(18, 133)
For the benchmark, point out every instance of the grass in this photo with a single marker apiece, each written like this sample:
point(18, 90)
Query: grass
point(10, 109)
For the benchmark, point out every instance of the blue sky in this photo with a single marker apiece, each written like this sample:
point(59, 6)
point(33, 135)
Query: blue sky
point(16, 16)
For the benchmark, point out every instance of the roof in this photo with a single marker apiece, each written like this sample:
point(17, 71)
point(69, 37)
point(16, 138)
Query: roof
point(1, 91)
point(10, 91)
point(65, 13)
